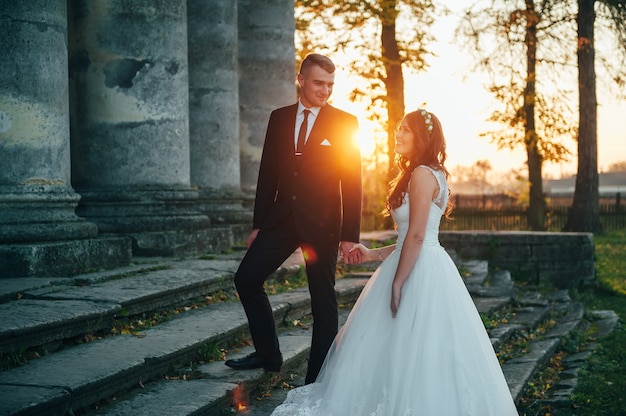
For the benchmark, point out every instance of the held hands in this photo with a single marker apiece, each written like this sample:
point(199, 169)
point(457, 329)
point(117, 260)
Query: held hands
point(365, 254)
point(348, 253)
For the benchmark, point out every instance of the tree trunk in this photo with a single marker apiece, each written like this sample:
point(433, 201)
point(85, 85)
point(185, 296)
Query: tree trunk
point(394, 81)
point(585, 212)
point(537, 203)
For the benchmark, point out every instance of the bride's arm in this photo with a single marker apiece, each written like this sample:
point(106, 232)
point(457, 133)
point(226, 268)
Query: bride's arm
point(374, 254)
point(423, 188)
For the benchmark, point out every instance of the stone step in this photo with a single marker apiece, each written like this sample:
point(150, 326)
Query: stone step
point(89, 303)
point(602, 324)
point(219, 391)
point(519, 371)
point(40, 312)
point(77, 377)
point(240, 388)
point(129, 367)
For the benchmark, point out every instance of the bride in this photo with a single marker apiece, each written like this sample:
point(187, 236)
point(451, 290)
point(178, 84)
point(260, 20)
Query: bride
point(414, 343)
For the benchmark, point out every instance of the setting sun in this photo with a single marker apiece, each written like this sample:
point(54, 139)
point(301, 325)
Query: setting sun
point(366, 137)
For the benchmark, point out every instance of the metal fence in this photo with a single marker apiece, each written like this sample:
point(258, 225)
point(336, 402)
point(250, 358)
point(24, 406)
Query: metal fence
point(501, 212)
point(514, 218)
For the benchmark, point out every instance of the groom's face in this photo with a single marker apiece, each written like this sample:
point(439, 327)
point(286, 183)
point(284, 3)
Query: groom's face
point(316, 86)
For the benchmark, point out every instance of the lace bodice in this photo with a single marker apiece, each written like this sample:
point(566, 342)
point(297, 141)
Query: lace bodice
point(401, 214)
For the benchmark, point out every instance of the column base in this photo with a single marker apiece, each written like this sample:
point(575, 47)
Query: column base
point(63, 258)
point(164, 222)
point(182, 243)
point(228, 208)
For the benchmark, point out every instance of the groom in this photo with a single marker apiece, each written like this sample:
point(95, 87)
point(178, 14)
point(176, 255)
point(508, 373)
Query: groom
point(308, 195)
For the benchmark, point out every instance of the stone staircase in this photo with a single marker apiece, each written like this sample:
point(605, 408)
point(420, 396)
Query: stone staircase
point(77, 365)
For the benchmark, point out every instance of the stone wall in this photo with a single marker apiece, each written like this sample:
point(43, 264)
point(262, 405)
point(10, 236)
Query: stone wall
point(562, 259)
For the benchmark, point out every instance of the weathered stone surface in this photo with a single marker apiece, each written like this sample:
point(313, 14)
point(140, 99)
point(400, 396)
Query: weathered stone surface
point(13, 288)
point(33, 400)
point(151, 291)
point(63, 258)
point(529, 316)
point(540, 352)
point(519, 371)
point(267, 75)
point(576, 358)
point(490, 305)
point(90, 372)
point(99, 369)
point(604, 323)
point(129, 87)
point(40, 234)
point(182, 242)
point(26, 323)
point(34, 138)
point(478, 271)
point(176, 397)
point(214, 103)
point(501, 334)
point(563, 259)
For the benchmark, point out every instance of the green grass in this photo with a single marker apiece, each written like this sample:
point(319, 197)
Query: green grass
point(290, 282)
point(601, 384)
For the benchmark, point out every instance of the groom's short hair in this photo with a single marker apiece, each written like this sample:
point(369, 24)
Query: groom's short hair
point(322, 61)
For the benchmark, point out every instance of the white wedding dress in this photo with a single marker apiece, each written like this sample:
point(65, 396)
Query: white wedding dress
point(433, 359)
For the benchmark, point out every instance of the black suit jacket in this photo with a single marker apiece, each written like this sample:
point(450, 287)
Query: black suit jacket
point(322, 187)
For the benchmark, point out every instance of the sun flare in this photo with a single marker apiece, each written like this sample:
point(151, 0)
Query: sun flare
point(368, 137)
point(366, 143)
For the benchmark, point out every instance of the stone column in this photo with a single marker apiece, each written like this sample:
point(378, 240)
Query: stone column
point(267, 74)
point(40, 234)
point(214, 113)
point(130, 125)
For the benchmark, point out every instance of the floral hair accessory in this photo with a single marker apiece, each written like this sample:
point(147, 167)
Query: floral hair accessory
point(427, 120)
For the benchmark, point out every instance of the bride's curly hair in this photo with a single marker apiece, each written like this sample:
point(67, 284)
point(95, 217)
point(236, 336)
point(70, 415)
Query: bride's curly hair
point(430, 151)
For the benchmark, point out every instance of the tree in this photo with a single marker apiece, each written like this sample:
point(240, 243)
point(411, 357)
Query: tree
point(399, 29)
point(617, 167)
point(585, 212)
point(506, 36)
point(474, 178)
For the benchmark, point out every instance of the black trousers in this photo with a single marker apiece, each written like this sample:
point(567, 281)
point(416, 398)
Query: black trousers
point(268, 251)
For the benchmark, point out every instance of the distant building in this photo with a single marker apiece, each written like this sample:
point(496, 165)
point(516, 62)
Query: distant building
point(610, 184)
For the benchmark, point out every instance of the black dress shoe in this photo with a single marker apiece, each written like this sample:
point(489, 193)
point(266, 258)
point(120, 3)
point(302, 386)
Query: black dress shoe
point(254, 360)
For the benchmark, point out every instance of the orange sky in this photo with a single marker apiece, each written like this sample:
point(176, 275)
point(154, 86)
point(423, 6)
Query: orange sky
point(462, 106)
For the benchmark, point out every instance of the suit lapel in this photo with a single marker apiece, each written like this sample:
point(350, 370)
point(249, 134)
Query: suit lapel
point(289, 144)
